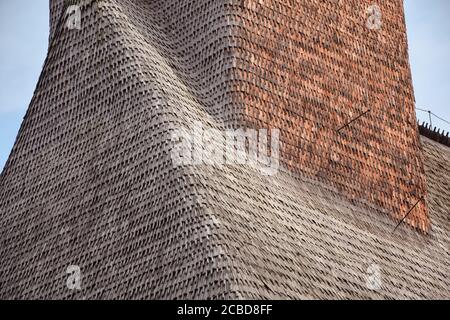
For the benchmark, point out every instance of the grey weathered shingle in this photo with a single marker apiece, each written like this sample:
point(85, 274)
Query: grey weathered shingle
point(90, 181)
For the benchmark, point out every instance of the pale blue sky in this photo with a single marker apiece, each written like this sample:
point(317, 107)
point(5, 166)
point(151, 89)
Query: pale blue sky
point(24, 39)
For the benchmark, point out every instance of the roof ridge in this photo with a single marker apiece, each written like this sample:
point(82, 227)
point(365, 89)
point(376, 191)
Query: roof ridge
point(434, 134)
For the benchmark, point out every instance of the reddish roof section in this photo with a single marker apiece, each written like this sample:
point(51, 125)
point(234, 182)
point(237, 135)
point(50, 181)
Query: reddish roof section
point(341, 95)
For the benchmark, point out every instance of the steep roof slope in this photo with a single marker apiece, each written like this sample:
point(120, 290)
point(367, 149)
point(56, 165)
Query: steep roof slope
point(91, 182)
point(289, 238)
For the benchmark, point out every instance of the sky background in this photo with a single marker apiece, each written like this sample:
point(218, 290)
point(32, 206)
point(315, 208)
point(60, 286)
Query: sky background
point(24, 40)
